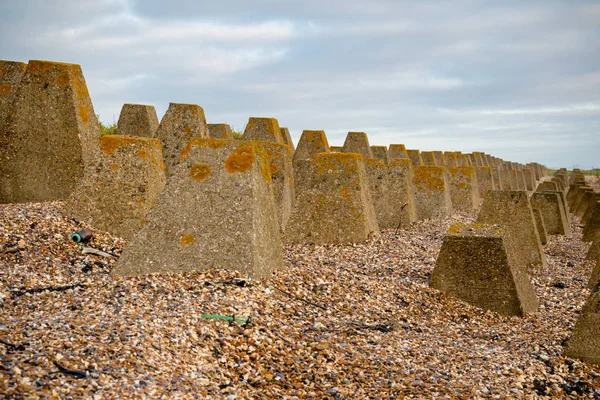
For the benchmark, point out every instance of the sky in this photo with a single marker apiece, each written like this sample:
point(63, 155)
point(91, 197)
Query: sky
point(516, 79)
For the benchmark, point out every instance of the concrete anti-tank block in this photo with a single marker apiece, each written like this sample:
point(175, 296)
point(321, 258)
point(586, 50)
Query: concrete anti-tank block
point(137, 120)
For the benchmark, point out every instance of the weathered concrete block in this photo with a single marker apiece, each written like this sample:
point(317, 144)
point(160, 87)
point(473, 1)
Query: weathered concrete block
point(220, 131)
point(552, 209)
point(530, 181)
point(513, 210)
point(547, 186)
point(398, 151)
point(439, 158)
point(431, 192)
point(480, 159)
point(335, 206)
point(591, 229)
point(266, 129)
point(594, 251)
point(498, 184)
point(594, 281)
point(286, 137)
point(381, 152)
point(11, 73)
point(584, 343)
point(485, 180)
point(137, 120)
point(415, 157)
point(217, 210)
point(520, 179)
point(335, 149)
point(572, 193)
point(310, 144)
point(579, 196)
point(588, 212)
point(180, 124)
point(120, 186)
point(282, 176)
point(463, 160)
point(540, 225)
point(509, 179)
point(450, 159)
point(49, 134)
point(559, 183)
point(476, 265)
point(428, 158)
point(464, 191)
point(391, 191)
point(584, 203)
point(357, 142)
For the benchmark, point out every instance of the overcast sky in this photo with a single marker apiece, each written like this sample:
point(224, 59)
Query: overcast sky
point(517, 79)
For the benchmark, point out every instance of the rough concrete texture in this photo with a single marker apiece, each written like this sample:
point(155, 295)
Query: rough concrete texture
point(547, 186)
point(513, 210)
point(286, 137)
point(335, 206)
point(335, 149)
point(535, 170)
point(588, 212)
point(591, 229)
point(180, 124)
point(475, 265)
point(583, 204)
point(572, 193)
point(553, 211)
point(415, 157)
point(450, 159)
point(530, 181)
point(485, 180)
point(498, 184)
point(431, 192)
point(266, 129)
point(137, 120)
point(584, 343)
point(381, 152)
point(439, 158)
point(594, 251)
point(428, 158)
point(220, 131)
point(398, 151)
point(11, 73)
point(463, 160)
point(559, 183)
point(509, 179)
point(464, 191)
point(540, 225)
point(120, 186)
point(357, 142)
point(479, 159)
point(217, 210)
point(594, 280)
point(391, 191)
point(282, 175)
point(577, 199)
point(472, 160)
point(50, 133)
point(310, 144)
point(520, 179)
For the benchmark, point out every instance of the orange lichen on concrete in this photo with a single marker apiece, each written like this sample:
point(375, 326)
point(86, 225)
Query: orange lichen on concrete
point(337, 162)
point(114, 167)
point(141, 153)
point(63, 80)
point(199, 172)
point(429, 177)
point(187, 240)
point(241, 160)
point(5, 89)
point(201, 142)
point(109, 143)
point(83, 114)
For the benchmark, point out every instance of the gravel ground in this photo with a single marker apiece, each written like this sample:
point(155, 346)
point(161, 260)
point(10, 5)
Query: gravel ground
point(338, 322)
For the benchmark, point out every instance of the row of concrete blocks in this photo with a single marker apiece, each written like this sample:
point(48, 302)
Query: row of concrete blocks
point(485, 263)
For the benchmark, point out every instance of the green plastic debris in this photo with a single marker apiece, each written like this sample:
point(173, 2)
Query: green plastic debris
point(225, 317)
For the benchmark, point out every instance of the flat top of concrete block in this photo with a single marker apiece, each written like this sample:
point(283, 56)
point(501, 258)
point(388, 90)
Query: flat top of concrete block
point(475, 229)
point(263, 128)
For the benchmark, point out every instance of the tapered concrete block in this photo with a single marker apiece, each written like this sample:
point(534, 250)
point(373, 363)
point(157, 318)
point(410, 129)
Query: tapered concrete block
point(265, 129)
point(588, 212)
point(180, 124)
point(391, 191)
point(137, 120)
point(540, 225)
point(579, 196)
point(415, 157)
point(584, 343)
point(220, 131)
point(513, 210)
point(11, 73)
point(217, 211)
point(476, 265)
point(547, 186)
point(286, 137)
point(553, 212)
point(357, 142)
point(464, 191)
point(439, 158)
point(381, 153)
point(509, 179)
point(310, 144)
point(498, 184)
point(49, 134)
point(335, 149)
point(530, 181)
point(398, 151)
point(584, 203)
point(428, 158)
point(335, 205)
point(485, 180)
point(431, 192)
point(591, 229)
point(120, 186)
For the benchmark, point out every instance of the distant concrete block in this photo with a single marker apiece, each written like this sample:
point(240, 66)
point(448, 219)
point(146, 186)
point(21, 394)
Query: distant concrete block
point(476, 266)
point(49, 134)
point(498, 184)
point(266, 129)
point(137, 120)
point(480, 159)
point(529, 176)
point(439, 158)
point(415, 157)
point(513, 210)
point(220, 131)
point(560, 183)
point(357, 142)
point(584, 343)
point(431, 192)
point(540, 225)
point(588, 212)
point(579, 196)
point(310, 144)
point(180, 124)
point(11, 73)
point(464, 191)
point(286, 137)
point(381, 153)
point(391, 191)
point(217, 210)
point(508, 177)
point(450, 159)
point(591, 229)
point(547, 186)
point(428, 158)
point(121, 186)
point(553, 212)
point(520, 179)
point(335, 206)
point(335, 149)
point(398, 151)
